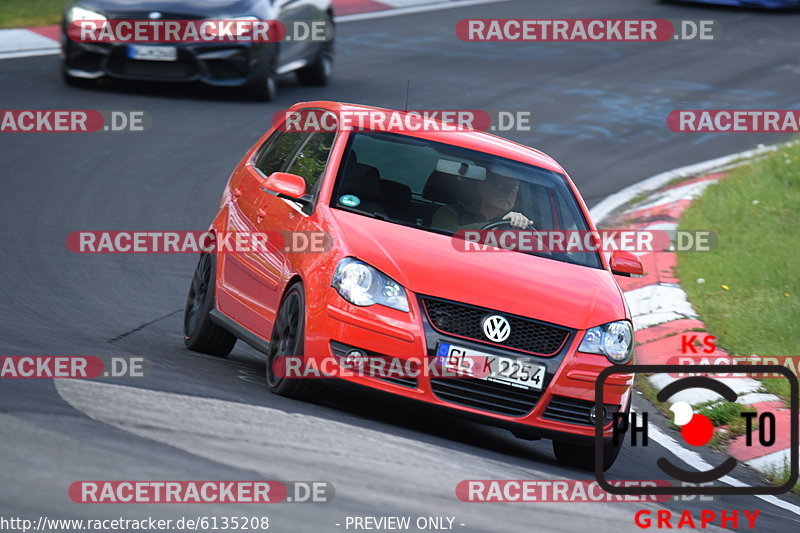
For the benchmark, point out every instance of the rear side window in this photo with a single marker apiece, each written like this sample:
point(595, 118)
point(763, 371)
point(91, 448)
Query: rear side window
point(310, 160)
point(279, 148)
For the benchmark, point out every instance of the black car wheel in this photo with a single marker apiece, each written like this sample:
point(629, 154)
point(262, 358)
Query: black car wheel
point(319, 72)
point(288, 339)
point(199, 333)
point(264, 87)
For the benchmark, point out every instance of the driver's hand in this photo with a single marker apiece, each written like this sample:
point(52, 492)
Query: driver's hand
point(517, 220)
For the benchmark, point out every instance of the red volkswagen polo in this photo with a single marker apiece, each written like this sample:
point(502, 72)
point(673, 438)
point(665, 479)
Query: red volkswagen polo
point(394, 284)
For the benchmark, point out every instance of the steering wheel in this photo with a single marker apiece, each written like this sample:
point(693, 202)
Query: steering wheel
point(501, 223)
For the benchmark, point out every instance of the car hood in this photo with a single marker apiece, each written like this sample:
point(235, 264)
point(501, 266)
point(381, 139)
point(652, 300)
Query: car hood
point(197, 8)
point(429, 264)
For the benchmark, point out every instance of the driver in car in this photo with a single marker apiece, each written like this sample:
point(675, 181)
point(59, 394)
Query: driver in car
point(498, 194)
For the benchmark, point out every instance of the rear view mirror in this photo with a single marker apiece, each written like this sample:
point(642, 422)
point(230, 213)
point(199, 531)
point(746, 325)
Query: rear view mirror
point(626, 264)
point(459, 168)
point(286, 185)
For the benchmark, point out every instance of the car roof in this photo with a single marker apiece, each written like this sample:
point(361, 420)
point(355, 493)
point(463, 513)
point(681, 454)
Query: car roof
point(471, 139)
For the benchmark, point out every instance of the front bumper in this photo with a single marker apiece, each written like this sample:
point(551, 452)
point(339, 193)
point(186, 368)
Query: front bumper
point(217, 64)
point(560, 411)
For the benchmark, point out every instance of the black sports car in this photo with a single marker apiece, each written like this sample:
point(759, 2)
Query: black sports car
point(253, 66)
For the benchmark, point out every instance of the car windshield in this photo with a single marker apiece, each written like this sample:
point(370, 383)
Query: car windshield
point(447, 189)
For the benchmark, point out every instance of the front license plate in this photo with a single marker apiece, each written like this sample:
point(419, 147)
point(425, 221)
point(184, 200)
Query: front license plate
point(153, 53)
point(496, 368)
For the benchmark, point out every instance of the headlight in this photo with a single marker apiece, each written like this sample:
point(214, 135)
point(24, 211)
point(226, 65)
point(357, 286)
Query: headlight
point(614, 340)
point(79, 13)
point(364, 285)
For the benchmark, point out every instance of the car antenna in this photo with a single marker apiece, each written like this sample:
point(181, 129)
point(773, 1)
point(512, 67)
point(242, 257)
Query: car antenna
point(408, 93)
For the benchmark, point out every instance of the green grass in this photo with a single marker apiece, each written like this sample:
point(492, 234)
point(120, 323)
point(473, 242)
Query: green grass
point(25, 13)
point(751, 296)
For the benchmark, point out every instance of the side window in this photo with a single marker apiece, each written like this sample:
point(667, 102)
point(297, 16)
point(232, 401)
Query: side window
point(310, 160)
point(279, 148)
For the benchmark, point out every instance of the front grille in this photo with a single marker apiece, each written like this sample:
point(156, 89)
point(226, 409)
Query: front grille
point(162, 70)
point(486, 395)
point(467, 321)
point(574, 411)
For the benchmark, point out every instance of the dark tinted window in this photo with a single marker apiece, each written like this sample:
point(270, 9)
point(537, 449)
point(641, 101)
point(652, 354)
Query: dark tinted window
point(444, 188)
point(279, 148)
point(310, 160)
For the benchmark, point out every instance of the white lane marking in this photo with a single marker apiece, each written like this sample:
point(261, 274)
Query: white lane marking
point(774, 462)
point(694, 460)
point(389, 471)
point(24, 41)
point(657, 304)
point(620, 198)
point(684, 192)
point(30, 53)
point(414, 9)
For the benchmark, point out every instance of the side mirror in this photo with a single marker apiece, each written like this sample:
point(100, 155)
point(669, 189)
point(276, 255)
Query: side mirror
point(286, 185)
point(625, 264)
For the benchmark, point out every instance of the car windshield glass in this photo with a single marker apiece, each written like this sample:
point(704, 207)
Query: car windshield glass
point(447, 189)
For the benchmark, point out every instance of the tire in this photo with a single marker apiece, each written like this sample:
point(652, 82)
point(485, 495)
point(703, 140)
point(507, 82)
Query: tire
point(319, 72)
point(288, 338)
point(199, 333)
point(264, 88)
point(582, 456)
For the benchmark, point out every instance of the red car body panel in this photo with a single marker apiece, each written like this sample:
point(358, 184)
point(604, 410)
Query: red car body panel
point(249, 287)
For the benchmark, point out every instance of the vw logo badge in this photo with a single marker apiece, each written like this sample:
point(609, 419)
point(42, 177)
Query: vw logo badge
point(154, 15)
point(496, 328)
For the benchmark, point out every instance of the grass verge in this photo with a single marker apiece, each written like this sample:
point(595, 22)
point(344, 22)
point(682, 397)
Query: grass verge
point(26, 13)
point(749, 296)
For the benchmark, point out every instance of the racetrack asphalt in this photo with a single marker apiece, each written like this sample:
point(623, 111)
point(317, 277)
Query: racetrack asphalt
point(600, 110)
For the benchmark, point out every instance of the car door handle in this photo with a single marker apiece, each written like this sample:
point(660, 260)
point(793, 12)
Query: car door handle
point(236, 194)
point(260, 214)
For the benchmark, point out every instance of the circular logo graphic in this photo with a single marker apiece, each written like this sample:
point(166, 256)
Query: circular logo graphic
point(350, 200)
point(496, 328)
